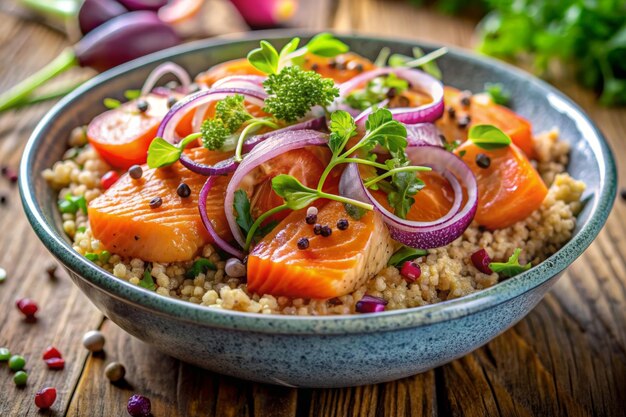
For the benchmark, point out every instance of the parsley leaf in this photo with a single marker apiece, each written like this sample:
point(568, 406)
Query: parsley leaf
point(510, 268)
point(488, 137)
point(404, 254)
point(147, 281)
point(342, 128)
point(294, 91)
point(405, 186)
point(296, 195)
point(383, 130)
point(242, 208)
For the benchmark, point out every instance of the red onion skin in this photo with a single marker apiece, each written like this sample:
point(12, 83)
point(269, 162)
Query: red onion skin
point(93, 13)
point(124, 38)
point(152, 5)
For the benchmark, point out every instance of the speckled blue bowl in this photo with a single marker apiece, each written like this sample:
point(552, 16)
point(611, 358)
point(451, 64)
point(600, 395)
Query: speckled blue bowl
point(320, 351)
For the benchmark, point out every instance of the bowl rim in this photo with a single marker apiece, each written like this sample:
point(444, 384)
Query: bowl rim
point(336, 324)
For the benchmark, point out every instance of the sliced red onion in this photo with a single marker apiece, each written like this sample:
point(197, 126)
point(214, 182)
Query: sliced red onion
point(204, 195)
point(423, 134)
point(274, 145)
point(433, 87)
point(424, 235)
point(167, 129)
point(370, 304)
point(318, 123)
point(221, 168)
point(163, 69)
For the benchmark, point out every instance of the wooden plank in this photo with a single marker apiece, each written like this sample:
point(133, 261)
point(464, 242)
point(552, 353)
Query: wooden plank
point(65, 314)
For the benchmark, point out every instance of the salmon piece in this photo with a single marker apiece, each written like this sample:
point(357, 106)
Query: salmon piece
point(331, 266)
point(121, 218)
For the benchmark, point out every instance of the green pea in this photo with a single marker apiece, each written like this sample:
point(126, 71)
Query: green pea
point(105, 255)
point(17, 363)
point(93, 257)
point(20, 378)
point(3, 275)
point(5, 354)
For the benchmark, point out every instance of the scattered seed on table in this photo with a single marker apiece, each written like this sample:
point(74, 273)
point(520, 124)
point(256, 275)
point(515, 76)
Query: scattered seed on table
point(156, 202)
point(20, 378)
point(135, 172)
point(51, 270)
point(45, 397)
point(326, 231)
point(183, 190)
point(55, 363)
point(93, 340)
point(27, 306)
point(3, 199)
point(17, 363)
point(3, 275)
point(5, 354)
point(622, 193)
point(138, 406)
point(115, 371)
point(51, 352)
point(303, 243)
point(235, 268)
point(342, 224)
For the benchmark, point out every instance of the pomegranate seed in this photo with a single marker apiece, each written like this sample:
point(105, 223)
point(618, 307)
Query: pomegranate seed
point(55, 363)
point(138, 406)
point(370, 304)
point(27, 306)
point(481, 261)
point(410, 271)
point(109, 179)
point(51, 352)
point(45, 397)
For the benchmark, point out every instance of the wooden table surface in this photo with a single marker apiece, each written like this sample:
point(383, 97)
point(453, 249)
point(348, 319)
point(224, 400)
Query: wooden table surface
point(567, 357)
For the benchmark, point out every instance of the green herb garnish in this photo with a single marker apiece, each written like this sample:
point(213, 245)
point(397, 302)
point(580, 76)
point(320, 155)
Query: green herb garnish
point(510, 268)
point(162, 153)
point(200, 266)
point(132, 94)
point(376, 91)
point(404, 254)
point(497, 93)
point(427, 62)
point(268, 60)
point(488, 137)
point(111, 103)
point(93, 257)
point(147, 281)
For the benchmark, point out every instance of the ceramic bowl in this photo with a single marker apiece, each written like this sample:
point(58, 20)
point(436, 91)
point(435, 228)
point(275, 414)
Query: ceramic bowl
point(320, 351)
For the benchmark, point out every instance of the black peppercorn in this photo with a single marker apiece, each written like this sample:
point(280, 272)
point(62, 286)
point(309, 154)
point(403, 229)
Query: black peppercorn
point(464, 121)
point(135, 172)
point(171, 100)
point(342, 224)
point(466, 98)
point(311, 218)
point(317, 229)
point(183, 190)
point(326, 231)
point(483, 160)
point(303, 243)
point(142, 106)
point(156, 202)
point(315, 66)
point(451, 112)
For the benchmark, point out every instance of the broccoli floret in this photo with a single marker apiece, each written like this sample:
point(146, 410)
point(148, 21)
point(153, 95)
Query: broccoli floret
point(214, 134)
point(232, 111)
point(293, 92)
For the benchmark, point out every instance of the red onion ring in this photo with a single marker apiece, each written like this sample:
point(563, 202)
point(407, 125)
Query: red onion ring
point(204, 195)
point(163, 69)
point(221, 168)
point(318, 123)
point(422, 114)
point(167, 128)
point(424, 235)
point(423, 134)
point(274, 145)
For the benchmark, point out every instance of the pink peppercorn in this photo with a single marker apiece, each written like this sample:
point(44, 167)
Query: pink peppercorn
point(370, 304)
point(51, 352)
point(27, 306)
point(109, 179)
point(45, 397)
point(410, 271)
point(481, 261)
point(55, 363)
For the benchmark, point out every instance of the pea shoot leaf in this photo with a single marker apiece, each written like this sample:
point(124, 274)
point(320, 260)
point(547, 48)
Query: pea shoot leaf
point(497, 93)
point(265, 58)
point(326, 45)
point(342, 128)
point(162, 153)
point(488, 137)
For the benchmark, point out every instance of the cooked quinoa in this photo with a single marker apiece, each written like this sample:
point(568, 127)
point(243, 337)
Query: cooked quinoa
point(447, 272)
